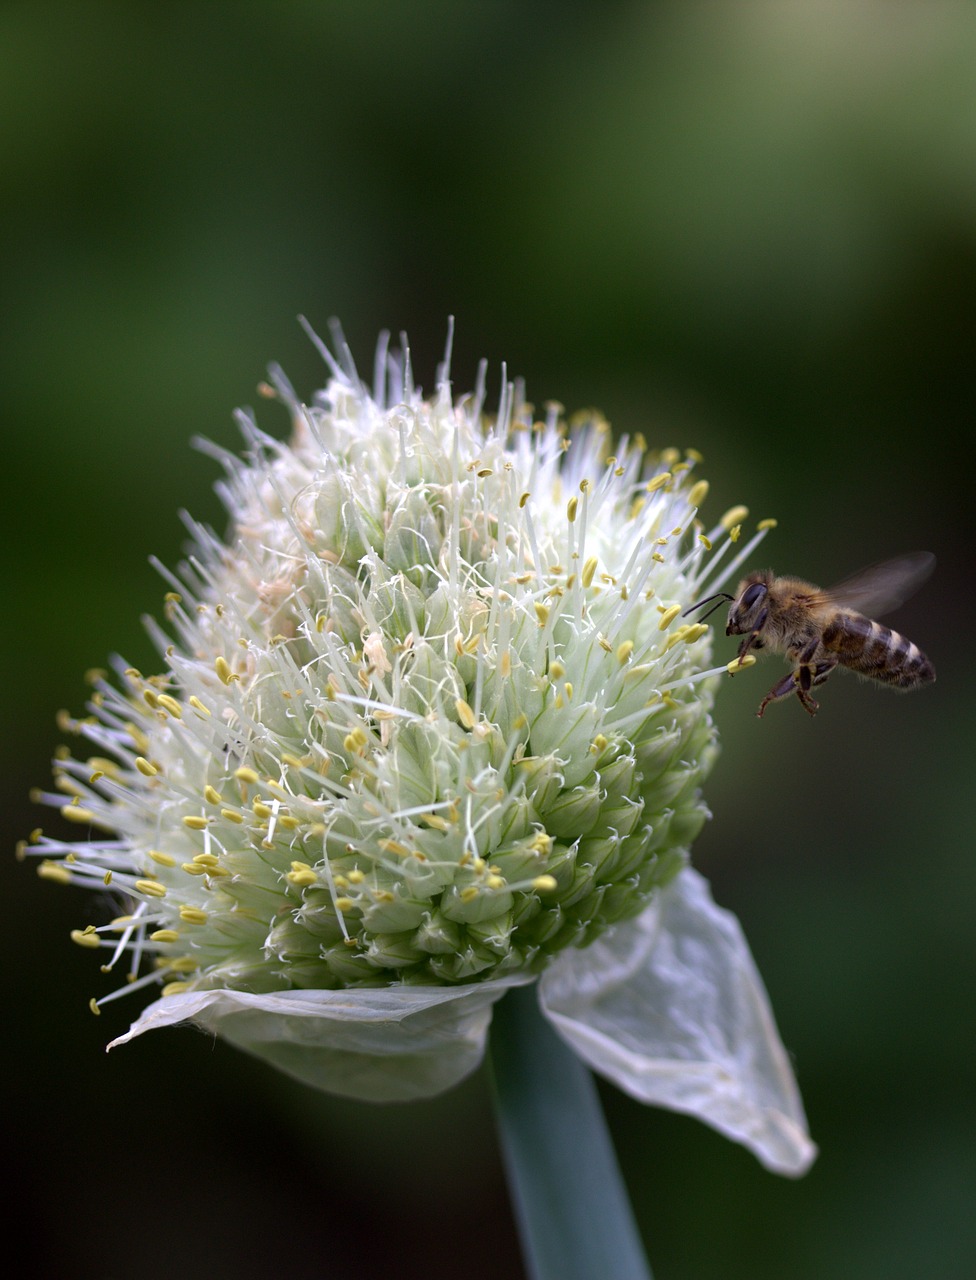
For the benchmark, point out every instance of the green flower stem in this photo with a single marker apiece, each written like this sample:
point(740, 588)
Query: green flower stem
point(568, 1194)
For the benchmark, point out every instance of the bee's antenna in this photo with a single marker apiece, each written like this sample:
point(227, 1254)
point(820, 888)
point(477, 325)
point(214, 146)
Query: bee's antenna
point(719, 596)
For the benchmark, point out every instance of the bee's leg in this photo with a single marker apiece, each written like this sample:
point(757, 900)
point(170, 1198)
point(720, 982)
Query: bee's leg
point(806, 671)
point(752, 641)
point(811, 673)
point(783, 689)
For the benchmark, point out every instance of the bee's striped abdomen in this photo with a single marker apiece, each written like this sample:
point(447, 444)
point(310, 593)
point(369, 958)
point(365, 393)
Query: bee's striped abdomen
point(874, 650)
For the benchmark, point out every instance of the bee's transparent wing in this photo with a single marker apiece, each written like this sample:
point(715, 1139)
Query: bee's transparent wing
point(883, 587)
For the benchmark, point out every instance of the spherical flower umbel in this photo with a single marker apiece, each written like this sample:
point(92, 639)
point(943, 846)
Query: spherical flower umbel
point(430, 725)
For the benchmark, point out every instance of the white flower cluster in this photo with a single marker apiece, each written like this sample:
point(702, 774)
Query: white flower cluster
point(429, 719)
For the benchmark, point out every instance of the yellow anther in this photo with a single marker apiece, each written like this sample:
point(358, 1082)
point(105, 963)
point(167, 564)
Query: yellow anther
point(706, 542)
point(175, 988)
point(262, 810)
point(195, 822)
point(698, 493)
point(231, 815)
point(151, 698)
point(344, 904)
point(86, 937)
point(695, 632)
point(469, 894)
point(151, 888)
point(393, 846)
point(568, 690)
point(505, 664)
point(542, 614)
point(301, 875)
point(465, 713)
point(659, 481)
point(541, 842)
point(544, 884)
point(668, 616)
point(589, 569)
point(625, 651)
point(164, 859)
point(164, 935)
point(211, 794)
point(99, 773)
point(734, 516)
point(434, 820)
point(524, 499)
point(658, 557)
point(193, 869)
point(193, 915)
point(75, 813)
point(693, 455)
point(496, 882)
point(735, 532)
point(177, 964)
point(222, 667)
point(107, 878)
point(599, 744)
point(293, 762)
point(93, 1005)
point(356, 876)
point(101, 765)
point(738, 664)
point(173, 597)
point(288, 821)
point(207, 860)
point(244, 774)
point(767, 524)
point(557, 670)
point(143, 765)
point(171, 705)
point(571, 509)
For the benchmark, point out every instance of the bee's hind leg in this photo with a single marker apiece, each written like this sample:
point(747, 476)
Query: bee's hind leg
point(800, 681)
point(804, 678)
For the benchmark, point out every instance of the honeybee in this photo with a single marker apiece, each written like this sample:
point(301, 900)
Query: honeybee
point(819, 630)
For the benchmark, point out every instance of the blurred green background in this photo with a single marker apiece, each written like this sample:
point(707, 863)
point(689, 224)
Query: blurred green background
point(747, 227)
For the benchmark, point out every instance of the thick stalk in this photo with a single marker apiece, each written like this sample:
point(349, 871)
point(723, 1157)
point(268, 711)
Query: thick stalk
point(568, 1195)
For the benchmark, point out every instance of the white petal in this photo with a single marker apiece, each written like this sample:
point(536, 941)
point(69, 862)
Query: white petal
point(672, 1009)
point(389, 1044)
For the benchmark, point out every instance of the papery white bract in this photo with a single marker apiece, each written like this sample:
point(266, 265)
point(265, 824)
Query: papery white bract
point(427, 720)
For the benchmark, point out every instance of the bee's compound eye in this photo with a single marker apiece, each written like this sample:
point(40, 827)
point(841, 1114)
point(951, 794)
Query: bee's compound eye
point(752, 594)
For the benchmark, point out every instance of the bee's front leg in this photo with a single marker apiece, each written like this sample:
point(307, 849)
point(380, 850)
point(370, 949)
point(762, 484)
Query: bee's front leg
point(752, 641)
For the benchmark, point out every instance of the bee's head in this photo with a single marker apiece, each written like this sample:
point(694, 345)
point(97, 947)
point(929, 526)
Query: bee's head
point(749, 604)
